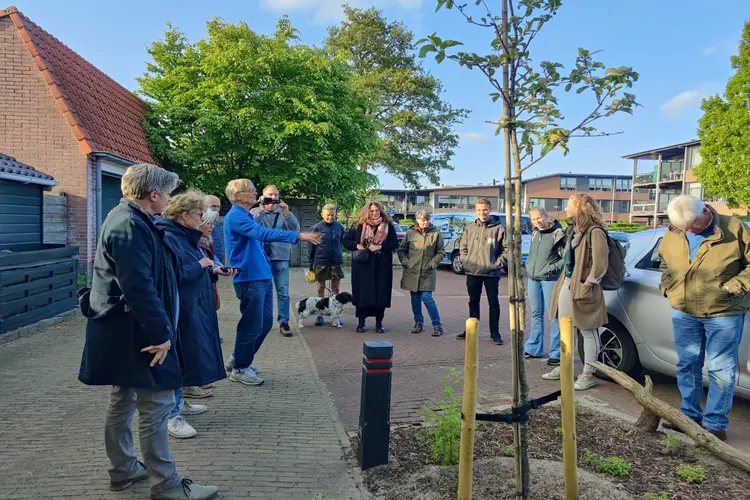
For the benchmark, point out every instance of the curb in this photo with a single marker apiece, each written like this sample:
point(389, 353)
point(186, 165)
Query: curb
point(333, 414)
point(29, 330)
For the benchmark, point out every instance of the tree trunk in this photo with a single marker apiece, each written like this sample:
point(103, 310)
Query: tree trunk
point(703, 439)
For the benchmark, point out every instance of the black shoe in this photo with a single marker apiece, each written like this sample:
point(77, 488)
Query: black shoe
point(497, 340)
point(320, 321)
point(553, 362)
point(418, 327)
point(530, 356)
point(285, 330)
point(461, 336)
point(380, 329)
point(361, 329)
point(722, 435)
point(669, 425)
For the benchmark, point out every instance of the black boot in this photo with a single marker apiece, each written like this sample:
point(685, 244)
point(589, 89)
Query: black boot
point(361, 327)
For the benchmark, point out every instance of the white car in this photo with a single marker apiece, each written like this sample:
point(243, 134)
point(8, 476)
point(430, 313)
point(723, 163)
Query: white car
point(452, 224)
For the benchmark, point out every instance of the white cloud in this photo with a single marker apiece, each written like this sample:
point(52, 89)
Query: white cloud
point(682, 103)
point(473, 136)
point(710, 50)
point(325, 11)
point(728, 46)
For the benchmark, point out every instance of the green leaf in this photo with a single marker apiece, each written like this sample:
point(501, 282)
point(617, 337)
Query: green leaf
point(426, 49)
point(581, 89)
point(439, 57)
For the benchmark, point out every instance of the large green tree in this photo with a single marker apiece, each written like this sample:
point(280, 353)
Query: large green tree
point(724, 131)
point(240, 104)
point(415, 124)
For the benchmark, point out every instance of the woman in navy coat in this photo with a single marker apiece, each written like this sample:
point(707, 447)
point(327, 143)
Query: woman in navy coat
point(198, 344)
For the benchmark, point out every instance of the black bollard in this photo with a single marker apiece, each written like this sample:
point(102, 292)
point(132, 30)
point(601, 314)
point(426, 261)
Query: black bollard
point(375, 404)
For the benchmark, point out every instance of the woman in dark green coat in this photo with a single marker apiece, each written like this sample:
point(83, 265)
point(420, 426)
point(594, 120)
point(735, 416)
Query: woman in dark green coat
point(420, 253)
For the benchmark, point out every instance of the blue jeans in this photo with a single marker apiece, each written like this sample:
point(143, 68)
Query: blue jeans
point(416, 306)
point(280, 269)
point(177, 402)
point(720, 339)
point(256, 308)
point(540, 297)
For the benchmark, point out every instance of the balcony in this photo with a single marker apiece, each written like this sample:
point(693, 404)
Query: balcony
point(671, 172)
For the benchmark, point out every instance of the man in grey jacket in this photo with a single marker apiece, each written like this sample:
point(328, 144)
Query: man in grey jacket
point(484, 254)
point(543, 268)
point(273, 213)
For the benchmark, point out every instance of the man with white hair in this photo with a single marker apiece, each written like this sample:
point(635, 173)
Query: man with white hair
point(217, 235)
point(705, 264)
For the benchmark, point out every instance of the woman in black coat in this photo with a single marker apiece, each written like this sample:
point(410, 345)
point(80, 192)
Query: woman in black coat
point(372, 241)
point(198, 327)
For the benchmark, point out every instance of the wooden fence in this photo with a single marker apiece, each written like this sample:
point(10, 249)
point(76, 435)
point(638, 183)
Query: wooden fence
point(55, 219)
point(37, 285)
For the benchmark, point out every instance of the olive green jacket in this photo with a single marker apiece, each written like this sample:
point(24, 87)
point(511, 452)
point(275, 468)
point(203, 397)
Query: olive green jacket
point(723, 260)
point(420, 253)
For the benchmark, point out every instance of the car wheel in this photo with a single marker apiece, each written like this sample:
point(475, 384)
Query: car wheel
point(617, 349)
point(456, 265)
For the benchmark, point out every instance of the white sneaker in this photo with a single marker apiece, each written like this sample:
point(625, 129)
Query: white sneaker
point(180, 429)
point(553, 375)
point(187, 408)
point(229, 365)
point(197, 392)
point(584, 382)
point(246, 376)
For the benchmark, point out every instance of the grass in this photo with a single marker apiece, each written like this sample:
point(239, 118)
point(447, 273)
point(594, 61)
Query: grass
point(508, 450)
point(671, 444)
point(611, 466)
point(691, 474)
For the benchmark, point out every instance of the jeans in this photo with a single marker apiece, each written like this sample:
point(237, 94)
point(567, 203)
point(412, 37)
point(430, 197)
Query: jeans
point(416, 306)
point(540, 296)
point(720, 339)
point(280, 269)
point(177, 403)
point(256, 308)
point(153, 407)
point(491, 285)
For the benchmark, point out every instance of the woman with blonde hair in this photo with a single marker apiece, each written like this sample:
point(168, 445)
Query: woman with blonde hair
point(197, 326)
point(578, 294)
point(372, 241)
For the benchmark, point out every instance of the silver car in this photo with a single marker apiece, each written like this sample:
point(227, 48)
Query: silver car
point(639, 333)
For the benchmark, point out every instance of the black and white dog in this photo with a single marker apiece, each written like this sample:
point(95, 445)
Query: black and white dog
point(329, 306)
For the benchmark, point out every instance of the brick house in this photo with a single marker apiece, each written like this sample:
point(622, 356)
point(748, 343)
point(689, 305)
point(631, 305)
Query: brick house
point(71, 121)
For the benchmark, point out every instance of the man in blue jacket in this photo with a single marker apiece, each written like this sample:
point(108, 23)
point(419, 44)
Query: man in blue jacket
point(253, 284)
point(133, 310)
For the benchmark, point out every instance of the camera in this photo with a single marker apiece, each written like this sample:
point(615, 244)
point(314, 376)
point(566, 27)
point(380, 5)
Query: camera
point(268, 201)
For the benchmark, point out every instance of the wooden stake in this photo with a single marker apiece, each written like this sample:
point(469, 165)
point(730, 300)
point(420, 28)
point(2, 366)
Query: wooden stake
point(468, 424)
point(570, 465)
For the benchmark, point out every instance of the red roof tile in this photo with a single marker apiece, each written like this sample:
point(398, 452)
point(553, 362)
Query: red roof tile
point(104, 115)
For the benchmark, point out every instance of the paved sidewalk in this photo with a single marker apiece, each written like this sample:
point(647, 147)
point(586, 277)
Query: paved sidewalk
point(282, 440)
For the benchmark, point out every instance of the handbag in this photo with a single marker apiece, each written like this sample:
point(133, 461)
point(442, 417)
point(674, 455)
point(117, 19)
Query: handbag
point(361, 256)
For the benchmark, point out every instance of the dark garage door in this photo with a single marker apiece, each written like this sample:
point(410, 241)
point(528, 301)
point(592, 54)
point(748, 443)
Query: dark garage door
point(111, 194)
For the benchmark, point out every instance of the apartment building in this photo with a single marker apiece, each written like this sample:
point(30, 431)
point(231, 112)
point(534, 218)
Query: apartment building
point(613, 192)
point(665, 173)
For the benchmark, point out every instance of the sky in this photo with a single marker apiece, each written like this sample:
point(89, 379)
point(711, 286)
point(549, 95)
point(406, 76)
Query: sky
point(681, 48)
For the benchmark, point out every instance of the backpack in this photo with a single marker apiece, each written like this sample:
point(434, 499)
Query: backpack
point(616, 271)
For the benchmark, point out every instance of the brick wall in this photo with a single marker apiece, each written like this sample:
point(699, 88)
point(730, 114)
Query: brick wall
point(34, 131)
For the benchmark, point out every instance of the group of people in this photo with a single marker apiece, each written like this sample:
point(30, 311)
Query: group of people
point(705, 264)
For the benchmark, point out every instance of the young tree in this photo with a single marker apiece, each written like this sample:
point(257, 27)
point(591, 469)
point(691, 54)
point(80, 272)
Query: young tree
point(532, 125)
point(414, 124)
point(239, 104)
point(724, 131)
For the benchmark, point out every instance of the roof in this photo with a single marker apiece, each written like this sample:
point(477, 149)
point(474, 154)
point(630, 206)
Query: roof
point(12, 169)
point(675, 148)
point(104, 115)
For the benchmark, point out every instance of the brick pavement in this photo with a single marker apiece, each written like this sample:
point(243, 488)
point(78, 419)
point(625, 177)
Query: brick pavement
point(282, 440)
point(420, 361)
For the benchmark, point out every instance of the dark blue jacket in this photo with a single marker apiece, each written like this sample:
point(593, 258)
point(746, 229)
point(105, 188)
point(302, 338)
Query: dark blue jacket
point(329, 250)
point(132, 304)
point(198, 343)
point(243, 237)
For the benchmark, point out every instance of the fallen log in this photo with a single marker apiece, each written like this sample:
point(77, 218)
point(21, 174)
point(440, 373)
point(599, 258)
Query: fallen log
point(647, 422)
point(703, 438)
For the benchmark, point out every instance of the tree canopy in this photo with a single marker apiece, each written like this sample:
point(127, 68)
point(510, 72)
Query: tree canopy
point(415, 124)
point(724, 131)
point(268, 108)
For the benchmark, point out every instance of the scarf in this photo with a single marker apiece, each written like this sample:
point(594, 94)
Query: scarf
point(374, 231)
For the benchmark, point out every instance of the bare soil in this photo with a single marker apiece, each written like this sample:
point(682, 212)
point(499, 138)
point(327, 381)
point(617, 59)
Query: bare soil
point(414, 474)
